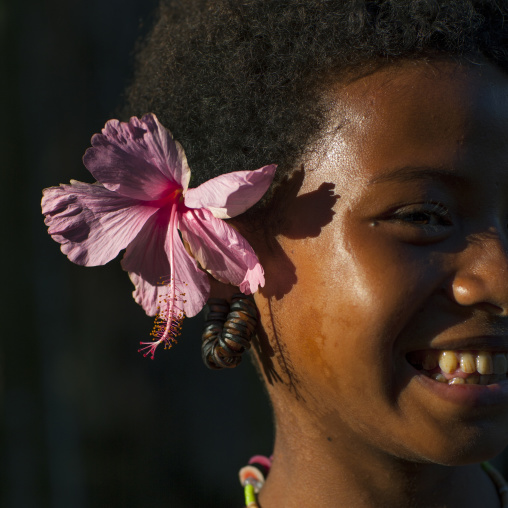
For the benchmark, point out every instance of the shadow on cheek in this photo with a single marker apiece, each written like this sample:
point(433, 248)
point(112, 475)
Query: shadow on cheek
point(299, 217)
point(310, 213)
point(295, 217)
point(267, 354)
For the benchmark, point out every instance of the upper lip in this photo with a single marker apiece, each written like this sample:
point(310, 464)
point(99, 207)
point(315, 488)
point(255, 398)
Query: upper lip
point(484, 343)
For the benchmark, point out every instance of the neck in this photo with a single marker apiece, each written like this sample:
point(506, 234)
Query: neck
point(310, 470)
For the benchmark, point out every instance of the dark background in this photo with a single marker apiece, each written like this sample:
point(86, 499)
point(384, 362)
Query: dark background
point(87, 421)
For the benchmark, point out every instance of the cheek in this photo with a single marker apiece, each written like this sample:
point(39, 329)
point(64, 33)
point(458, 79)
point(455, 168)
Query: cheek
point(346, 286)
point(348, 305)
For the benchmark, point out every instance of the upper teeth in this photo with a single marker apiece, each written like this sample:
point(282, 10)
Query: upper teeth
point(484, 363)
point(469, 362)
point(448, 361)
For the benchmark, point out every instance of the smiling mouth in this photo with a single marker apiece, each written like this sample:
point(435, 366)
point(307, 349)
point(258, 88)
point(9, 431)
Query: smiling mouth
point(461, 367)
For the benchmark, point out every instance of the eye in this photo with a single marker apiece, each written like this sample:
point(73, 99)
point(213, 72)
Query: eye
point(423, 214)
point(423, 218)
point(421, 222)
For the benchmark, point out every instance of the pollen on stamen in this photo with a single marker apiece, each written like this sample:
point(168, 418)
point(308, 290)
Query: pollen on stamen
point(162, 333)
point(167, 326)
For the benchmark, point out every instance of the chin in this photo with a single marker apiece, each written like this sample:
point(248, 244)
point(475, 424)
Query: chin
point(469, 446)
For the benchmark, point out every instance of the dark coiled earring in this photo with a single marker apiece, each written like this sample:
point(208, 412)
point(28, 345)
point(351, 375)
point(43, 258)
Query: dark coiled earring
point(228, 331)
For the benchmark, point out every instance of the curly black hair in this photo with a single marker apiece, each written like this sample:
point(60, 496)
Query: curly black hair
point(238, 81)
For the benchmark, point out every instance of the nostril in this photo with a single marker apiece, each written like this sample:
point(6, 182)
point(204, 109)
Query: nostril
point(488, 294)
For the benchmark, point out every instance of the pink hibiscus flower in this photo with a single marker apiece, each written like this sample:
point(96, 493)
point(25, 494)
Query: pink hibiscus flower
point(139, 203)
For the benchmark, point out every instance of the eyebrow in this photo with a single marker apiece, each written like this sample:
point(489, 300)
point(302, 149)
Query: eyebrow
point(415, 173)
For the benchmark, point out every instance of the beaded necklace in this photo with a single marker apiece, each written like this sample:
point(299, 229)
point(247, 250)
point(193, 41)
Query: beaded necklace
point(252, 478)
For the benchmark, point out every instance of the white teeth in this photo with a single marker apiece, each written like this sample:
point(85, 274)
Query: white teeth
point(484, 363)
point(439, 378)
point(467, 363)
point(457, 381)
point(500, 363)
point(448, 361)
point(429, 361)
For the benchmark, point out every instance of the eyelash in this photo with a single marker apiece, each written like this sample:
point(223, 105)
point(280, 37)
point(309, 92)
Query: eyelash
point(429, 209)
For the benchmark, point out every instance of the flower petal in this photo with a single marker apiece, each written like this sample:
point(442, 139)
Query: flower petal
point(139, 159)
point(92, 223)
point(231, 194)
point(147, 261)
point(252, 279)
point(221, 250)
point(192, 281)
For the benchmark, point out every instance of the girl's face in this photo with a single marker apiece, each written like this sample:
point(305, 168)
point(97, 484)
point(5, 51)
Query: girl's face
point(412, 261)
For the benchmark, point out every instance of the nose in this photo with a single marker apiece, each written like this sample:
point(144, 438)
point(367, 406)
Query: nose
point(482, 278)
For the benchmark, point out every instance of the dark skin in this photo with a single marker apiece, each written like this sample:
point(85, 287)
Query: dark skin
point(414, 258)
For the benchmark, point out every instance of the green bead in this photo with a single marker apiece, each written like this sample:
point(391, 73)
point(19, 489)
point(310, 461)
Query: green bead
point(250, 496)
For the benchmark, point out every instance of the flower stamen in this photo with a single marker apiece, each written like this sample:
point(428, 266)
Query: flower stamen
point(168, 323)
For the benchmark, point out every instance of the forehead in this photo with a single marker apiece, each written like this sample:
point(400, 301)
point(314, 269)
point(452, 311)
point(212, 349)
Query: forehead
point(436, 114)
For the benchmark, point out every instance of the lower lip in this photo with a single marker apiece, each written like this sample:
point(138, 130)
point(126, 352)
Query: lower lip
point(467, 394)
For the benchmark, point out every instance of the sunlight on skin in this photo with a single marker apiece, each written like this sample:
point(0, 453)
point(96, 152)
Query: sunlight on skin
point(415, 258)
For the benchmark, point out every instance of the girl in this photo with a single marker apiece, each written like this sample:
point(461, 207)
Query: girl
point(382, 328)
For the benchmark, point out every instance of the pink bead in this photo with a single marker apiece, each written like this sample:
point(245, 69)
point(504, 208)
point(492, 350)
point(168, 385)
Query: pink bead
point(262, 460)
